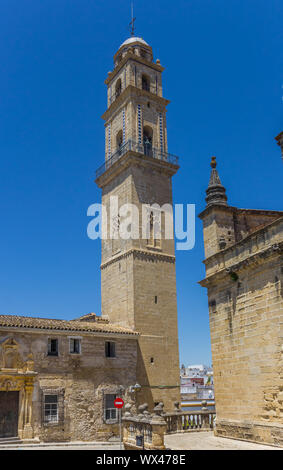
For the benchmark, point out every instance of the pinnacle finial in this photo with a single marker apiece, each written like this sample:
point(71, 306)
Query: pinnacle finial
point(215, 191)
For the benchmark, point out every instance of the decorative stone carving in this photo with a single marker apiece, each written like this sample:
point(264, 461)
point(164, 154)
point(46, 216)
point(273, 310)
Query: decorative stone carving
point(128, 407)
point(11, 384)
point(158, 409)
point(204, 405)
point(146, 413)
point(177, 406)
point(29, 364)
point(141, 409)
point(10, 354)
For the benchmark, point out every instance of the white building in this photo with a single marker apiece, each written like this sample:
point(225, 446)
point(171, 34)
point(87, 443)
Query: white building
point(197, 380)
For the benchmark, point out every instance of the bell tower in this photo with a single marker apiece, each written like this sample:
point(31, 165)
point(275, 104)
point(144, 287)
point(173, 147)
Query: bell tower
point(138, 281)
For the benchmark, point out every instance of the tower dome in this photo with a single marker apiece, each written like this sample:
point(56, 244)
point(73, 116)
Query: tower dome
point(132, 40)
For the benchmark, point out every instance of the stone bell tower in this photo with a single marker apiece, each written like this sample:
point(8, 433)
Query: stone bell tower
point(138, 280)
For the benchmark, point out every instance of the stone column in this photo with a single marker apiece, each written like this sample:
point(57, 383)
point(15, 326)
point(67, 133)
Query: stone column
point(177, 419)
point(158, 428)
point(126, 423)
point(205, 415)
point(28, 390)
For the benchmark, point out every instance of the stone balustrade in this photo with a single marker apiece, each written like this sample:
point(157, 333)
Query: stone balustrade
point(146, 431)
point(182, 421)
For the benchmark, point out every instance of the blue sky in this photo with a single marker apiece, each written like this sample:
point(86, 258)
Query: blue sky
point(224, 78)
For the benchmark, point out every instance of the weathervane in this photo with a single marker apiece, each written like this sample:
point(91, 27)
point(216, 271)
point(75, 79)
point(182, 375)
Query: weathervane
point(132, 23)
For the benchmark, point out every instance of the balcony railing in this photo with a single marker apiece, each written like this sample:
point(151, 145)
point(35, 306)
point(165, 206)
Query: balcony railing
point(190, 421)
point(146, 149)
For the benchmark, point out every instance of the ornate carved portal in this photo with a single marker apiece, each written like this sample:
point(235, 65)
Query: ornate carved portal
point(16, 388)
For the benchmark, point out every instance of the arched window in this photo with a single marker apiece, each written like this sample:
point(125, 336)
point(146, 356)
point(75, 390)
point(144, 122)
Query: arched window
point(118, 88)
point(119, 141)
point(145, 83)
point(147, 140)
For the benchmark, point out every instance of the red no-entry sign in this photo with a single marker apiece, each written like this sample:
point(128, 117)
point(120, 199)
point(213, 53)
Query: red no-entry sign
point(118, 403)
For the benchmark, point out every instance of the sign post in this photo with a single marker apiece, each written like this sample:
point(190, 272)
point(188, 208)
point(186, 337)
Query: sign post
point(119, 403)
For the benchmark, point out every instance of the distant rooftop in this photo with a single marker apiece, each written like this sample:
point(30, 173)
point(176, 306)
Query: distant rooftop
point(198, 366)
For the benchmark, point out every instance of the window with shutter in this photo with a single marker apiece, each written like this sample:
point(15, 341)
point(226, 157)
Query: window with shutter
point(75, 346)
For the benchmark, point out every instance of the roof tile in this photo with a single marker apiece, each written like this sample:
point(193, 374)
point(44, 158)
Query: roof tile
point(52, 324)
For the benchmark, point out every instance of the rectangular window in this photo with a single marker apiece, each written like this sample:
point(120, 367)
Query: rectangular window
point(110, 349)
point(52, 347)
point(51, 408)
point(75, 346)
point(110, 412)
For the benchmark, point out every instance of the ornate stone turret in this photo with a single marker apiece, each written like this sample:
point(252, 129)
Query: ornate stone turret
point(225, 225)
point(216, 193)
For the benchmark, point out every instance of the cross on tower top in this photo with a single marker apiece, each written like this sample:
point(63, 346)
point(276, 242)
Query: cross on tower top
point(132, 23)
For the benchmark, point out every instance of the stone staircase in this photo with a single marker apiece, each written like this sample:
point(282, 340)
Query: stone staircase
point(10, 440)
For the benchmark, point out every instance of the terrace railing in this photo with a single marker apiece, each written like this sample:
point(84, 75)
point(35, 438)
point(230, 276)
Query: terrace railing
point(145, 149)
point(189, 421)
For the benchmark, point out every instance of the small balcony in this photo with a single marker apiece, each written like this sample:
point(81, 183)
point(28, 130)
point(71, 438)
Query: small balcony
point(143, 149)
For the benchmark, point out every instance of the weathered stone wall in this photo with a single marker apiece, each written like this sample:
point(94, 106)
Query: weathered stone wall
point(245, 298)
point(139, 288)
point(231, 225)
point(80, 379)
point(260, 241)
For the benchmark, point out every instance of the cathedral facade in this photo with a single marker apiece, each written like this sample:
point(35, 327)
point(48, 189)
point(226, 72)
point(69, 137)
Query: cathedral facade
point(244, 275)
point(59, 378)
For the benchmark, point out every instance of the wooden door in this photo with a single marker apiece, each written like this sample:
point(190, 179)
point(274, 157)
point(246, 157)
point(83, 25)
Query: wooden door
point(9, 412)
